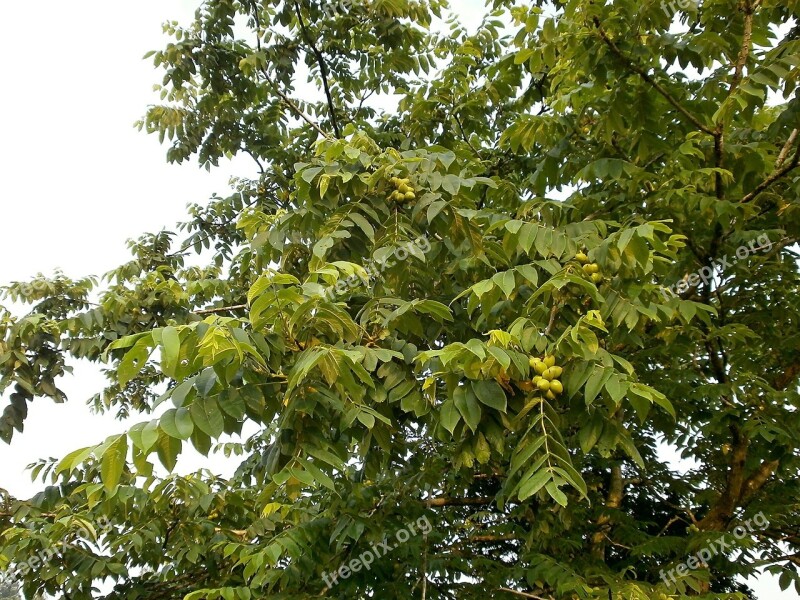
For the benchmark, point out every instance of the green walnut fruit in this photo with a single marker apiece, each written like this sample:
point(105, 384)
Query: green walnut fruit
point(557, 372)
point(550, 395)
point(549, 374)
point(556, 387)
point(587, 269)
point(532, 361)
point(581, 258)
point(597, 277)
point(543, 385)
point(536, 380)
point(539, 366)
point(550, 361)
point(403, 188)
point(595, 268)
point(410, 196)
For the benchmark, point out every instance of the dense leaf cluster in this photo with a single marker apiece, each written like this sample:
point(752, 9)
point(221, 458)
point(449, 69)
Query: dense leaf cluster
point(567, 164)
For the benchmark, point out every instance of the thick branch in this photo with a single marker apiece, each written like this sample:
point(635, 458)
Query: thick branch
point(758, 479)
point(783, 381)
point(613, 502)
point(747, 41)
point(722, 512)
point(787, 147)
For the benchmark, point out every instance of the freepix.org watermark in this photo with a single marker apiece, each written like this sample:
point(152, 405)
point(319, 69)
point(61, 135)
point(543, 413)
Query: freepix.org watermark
point(672, 8)
point(759, 522)
point(706, 274)
point(421, 526)
point(333, 7)
point(51, 553)
point(373, 269)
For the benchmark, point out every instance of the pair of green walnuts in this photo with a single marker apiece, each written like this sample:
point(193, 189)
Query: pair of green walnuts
point(592, 270)
point(403, 192)
point(547, 376)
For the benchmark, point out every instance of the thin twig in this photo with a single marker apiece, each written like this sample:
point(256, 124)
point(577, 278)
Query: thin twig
point(440, 502)
point(646, 76)
point(776, 175)
point(552, 322)
point(323, 68)
point(289, 102)
point(522, 594)
point(425, 568)
point(221, 309)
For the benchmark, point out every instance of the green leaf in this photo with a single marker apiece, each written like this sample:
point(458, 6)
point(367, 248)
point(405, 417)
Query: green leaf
point(206, 415)
point(491, 394)
point(171, 345)
point(177, 423)
point(73, 459)
point(113, 461)
point(556, 494)
point(450, 415)
point(168, 449)
point(467, 405)
point(596, 382)
point(590, 433)
point(532, 485)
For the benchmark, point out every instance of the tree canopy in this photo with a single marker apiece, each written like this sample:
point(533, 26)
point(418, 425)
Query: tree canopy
point(490, 278)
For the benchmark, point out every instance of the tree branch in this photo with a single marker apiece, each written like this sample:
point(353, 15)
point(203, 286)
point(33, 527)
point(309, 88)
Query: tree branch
point(747, 41)
point(289, 102)
point(776, 175)
point(782, 382)
point(521, 594)
point(722, 512)
point(440, 502)
point(323, 68)
point(653, 83)
point(491, 539)
point(758, 479)
point(784, 154)
point(613, 501)
point(221, 309)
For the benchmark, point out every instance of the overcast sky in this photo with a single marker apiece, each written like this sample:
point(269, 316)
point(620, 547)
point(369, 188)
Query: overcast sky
point(78, 180)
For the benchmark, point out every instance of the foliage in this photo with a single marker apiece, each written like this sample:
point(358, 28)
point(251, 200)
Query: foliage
point(552, 137)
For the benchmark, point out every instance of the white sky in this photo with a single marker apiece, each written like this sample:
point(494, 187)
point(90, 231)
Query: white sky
point(78, 179)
